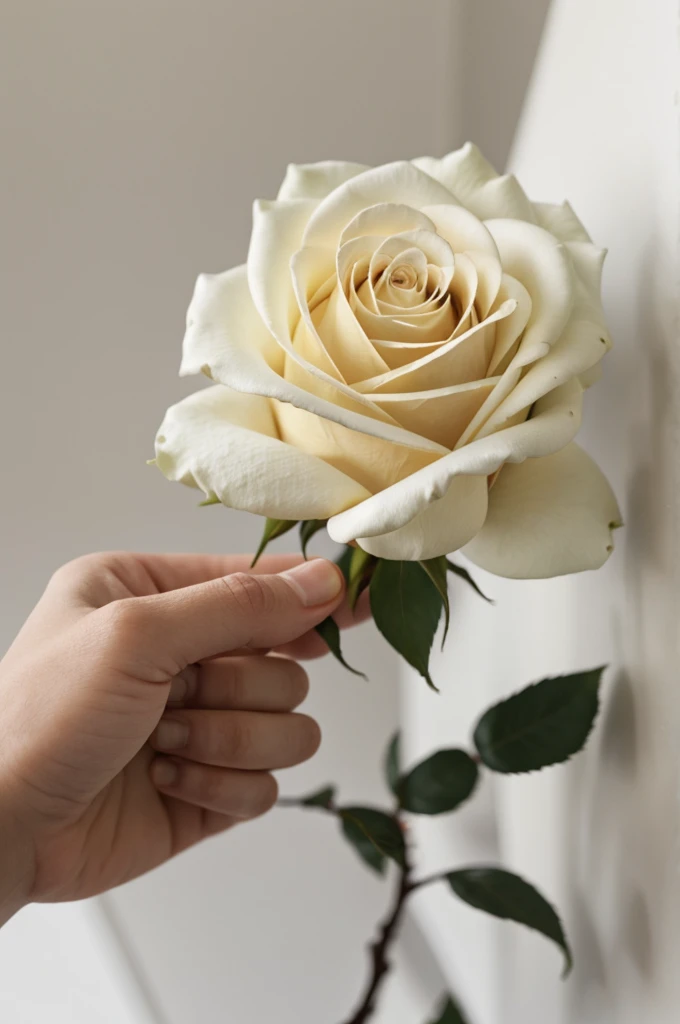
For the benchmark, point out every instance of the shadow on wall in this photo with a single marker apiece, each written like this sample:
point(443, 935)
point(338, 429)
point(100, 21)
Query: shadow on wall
point(624, 855)
point(497, 39)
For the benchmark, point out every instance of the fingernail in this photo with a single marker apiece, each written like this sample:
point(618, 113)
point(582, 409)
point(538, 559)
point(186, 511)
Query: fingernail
point(164, 772)
point(171, 734)
point(316, 582)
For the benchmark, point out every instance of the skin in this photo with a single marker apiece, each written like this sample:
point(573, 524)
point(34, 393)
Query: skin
point(145, 703)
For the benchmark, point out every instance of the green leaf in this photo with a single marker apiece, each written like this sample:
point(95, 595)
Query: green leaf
point(322, 798)
point(361, 567)
point(440, 783)
point(392, 769)
point(381, 830)
point(542, 725)
point(505, 895)
point(406, 608)
point(450, 1013)
point(344, 561)
point(307, 530)
point(273, 528)
point(212, 500)
point(329, 631)
point(366, 849)
point(458, 570)
point(436, 570)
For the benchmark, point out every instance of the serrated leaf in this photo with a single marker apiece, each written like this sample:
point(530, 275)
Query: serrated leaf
point(307, 530)
point(458, 570)
point(440, 783)
point(436, 569)
point(329, 631)
point(508, 896)
point(361, 567)
point(322, 798)
point(450, 1013)
point(392, 763)
point(273, 528)
point(406, 608)
point(366, 849)
point(379, 828)
point(544, 724)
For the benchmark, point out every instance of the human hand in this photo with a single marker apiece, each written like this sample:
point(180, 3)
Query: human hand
point(127, 658)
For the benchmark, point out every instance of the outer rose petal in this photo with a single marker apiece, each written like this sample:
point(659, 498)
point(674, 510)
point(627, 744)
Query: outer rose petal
point(475, 183)
point(444, 526)
point(315, 181)
point(547, 517)
point(225, 443)
point(554, 422)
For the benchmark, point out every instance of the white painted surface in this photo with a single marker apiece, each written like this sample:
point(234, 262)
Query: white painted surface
point(601, 836)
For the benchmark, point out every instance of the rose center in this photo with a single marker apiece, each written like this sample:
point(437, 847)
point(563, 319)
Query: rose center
point(404, 276)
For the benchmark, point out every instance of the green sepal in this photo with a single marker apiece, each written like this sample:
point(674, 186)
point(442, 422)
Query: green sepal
point(212, 500)
point(273, 528)
point(458, 570)
point(329, 631)
point(436, 569)
point(307, 530)
point(406, 607)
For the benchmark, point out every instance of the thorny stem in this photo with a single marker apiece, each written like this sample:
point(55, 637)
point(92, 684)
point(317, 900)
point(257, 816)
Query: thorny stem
point(380, 948)
point(387, 933)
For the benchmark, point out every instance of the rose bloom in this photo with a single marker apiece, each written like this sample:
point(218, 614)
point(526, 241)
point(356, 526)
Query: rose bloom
point(404, 354)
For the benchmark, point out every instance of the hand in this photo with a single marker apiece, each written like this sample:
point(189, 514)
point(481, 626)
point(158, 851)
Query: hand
point(140, 712)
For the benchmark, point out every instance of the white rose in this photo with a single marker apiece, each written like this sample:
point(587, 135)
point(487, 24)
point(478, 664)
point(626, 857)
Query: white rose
point(404, 354)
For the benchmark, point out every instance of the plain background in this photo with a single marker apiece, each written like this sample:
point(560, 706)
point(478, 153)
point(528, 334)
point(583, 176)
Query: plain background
point(135, 137)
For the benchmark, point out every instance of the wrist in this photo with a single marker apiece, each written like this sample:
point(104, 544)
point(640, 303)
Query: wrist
point(16, 862)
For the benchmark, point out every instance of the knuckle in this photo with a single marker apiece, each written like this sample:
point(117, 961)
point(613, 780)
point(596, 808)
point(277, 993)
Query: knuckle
point(251, 595)
point(266, 795)
point(298, 683)
point(309, 736)
point(234, 741)
point(122, 619)
point(78, 569)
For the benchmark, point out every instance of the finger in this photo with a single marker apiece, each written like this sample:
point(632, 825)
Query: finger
point(241, 684)
point(236, 794)
point(172, 572)
point(252, 741)
point(170, 631)
point(312, 646)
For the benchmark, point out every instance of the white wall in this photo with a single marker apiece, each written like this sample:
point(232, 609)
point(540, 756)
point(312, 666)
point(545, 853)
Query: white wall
point(136, 134)
point(601, 835)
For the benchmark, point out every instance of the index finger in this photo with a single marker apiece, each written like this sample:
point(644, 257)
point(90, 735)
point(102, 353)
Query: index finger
point(172, 572)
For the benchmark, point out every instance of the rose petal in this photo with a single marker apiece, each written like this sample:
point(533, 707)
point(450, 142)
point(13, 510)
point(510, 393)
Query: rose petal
point(561, 221)
point(547, 517)
point(373, 462)
point(227, 339)
point(399, 182)
point(226, 444)
point(475, 183)
point(444, 526)
point(553, 424)
point(315, 181)
point(442, 414)
point(461, 359)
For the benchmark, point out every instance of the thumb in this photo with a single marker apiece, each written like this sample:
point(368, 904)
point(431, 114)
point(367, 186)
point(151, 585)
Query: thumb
point(184, 626)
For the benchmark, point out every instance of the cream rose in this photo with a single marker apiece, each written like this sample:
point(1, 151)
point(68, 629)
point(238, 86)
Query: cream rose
point(404, 354)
